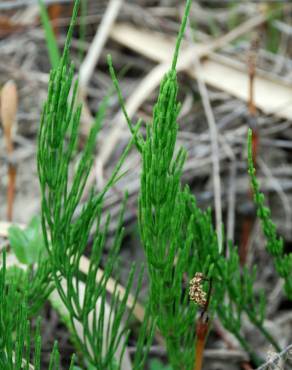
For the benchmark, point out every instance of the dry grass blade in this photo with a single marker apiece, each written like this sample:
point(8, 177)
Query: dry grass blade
point(137, 39)
point(215, 151)
point(273, 362)
point(91, 59)
point(235, 81)
point(98, 42)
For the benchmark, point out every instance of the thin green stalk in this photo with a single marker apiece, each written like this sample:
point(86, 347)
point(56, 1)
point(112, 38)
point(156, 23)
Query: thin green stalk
point(181, 34)
point(267, 335)
point(244, 344)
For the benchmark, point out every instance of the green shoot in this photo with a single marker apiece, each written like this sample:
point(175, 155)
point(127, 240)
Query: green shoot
point(66, 232)
point(275, 247)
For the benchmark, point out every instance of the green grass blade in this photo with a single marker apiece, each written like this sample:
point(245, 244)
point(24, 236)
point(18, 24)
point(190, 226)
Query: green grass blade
point(52, 45)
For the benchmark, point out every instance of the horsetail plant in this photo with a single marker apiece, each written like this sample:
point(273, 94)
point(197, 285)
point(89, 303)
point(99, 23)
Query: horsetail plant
point(275, 246)
point(162, 222)
point(179, 241)
point(66, 232)
point(16, 352)
point(233, 289)
point(164, 227)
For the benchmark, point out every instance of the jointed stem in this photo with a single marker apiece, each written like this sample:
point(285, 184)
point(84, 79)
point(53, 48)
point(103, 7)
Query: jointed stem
point(202, 332)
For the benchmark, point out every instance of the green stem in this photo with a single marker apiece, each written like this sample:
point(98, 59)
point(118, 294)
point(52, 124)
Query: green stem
point(244, 344)
point(181, 34)
point(267, 335)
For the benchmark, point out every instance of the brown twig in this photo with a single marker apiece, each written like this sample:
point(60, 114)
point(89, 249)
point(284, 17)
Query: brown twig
point(201, 332)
